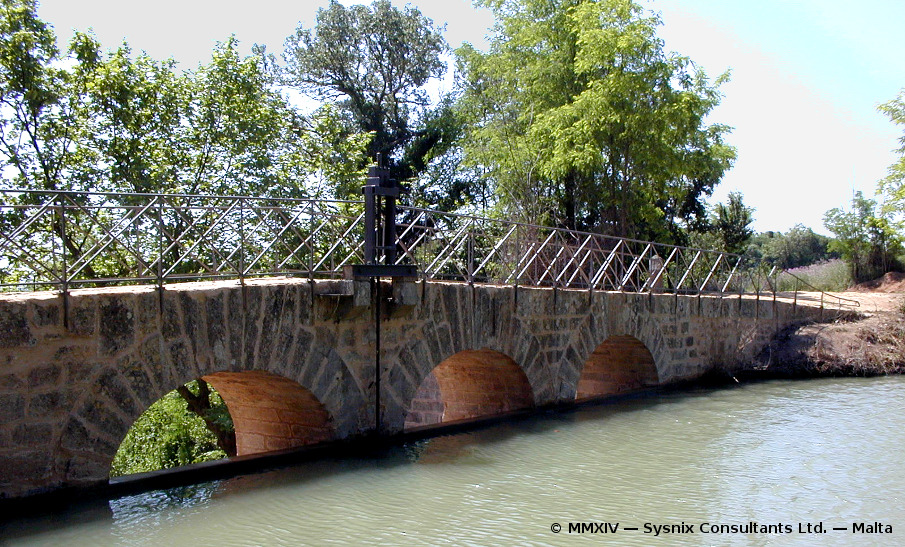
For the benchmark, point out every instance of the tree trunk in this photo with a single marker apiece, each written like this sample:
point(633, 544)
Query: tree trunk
point(200, 405)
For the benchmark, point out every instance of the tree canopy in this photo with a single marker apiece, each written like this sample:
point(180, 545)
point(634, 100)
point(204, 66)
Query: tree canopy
point(373, 63)
point(893, 186)
point(171, 433)
point(800, 246)
point(865, 239)
point(115, 121)
point(581, 119)
point(733, 223)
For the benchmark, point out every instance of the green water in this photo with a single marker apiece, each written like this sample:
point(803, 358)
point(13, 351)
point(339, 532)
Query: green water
point(777, 453)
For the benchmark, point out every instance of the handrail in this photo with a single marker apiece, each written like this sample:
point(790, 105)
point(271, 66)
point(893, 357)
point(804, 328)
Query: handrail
point(850, 302)
point(61, 239)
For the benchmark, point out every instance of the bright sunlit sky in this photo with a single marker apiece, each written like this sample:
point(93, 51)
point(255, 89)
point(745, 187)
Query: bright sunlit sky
point(807, 76)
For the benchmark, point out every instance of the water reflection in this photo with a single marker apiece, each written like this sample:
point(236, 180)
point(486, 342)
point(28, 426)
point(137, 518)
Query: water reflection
point(143, 513)
point(773, 452)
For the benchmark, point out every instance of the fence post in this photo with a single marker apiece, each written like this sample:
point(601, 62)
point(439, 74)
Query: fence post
point(470, 269)
point(160, 249)
point(309, 242)
point(821, 306)
point(160, 254)
point(64, 264)
point(241, 240)
point(795, 298)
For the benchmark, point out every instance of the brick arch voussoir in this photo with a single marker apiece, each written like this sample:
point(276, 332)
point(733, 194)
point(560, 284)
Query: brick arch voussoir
point(103, 415)
point(272, 412)
point(642, 327)
point(317, 366)
point(580, 345)
point(419, 358)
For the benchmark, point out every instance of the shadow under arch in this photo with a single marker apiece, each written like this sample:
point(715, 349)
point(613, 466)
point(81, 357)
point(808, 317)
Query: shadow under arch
point(621, 364)
point(470, 384)
point(271, 412)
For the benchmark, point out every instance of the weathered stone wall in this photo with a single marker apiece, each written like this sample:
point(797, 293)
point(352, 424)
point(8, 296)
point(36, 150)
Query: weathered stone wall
point(74, 378)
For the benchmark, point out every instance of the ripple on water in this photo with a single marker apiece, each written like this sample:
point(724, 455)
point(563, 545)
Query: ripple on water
point(772, 452)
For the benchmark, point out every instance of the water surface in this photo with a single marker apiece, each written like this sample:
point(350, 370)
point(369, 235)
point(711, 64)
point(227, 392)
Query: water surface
point(780, 453)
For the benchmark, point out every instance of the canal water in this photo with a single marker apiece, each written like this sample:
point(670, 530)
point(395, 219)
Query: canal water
point(773, 463)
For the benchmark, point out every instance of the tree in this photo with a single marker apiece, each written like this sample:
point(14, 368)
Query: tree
point(36, 129)
point(207, 405)
point(733, 223)
point(864, 238)
point(893, 186)
point(115, 122)
point(169, 434)
point(581, 119)
point(373, 62)
point(129, 114)
point(241, 136)
point(800, 246)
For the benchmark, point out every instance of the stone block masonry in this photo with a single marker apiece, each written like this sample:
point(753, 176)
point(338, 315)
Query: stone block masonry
point(295, 362)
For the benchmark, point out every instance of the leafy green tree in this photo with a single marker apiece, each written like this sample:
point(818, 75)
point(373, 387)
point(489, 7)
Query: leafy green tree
point(373, 63)
point(91, 120)
point(865, 239)
point(800, 246)
point(241, 134)
point(113, 121)
point(36, 119)
point(169, 434)
point(893, 186)
point(129, 115)
point(578, 110)
point(733, 223)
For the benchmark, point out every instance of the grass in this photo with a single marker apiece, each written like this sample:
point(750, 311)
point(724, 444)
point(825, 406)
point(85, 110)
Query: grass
point(832, 275)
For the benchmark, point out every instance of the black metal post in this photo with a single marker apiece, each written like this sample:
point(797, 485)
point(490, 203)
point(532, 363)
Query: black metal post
point(64, 277)
point(380, 193)
point(375, 285)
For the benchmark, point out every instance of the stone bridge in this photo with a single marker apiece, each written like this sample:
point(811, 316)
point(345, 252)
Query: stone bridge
point(295, 360)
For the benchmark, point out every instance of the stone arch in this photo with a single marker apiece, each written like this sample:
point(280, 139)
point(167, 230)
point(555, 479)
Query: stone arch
point(195, 334)
point(611, 316)
point(621, 364)
point(271, 412)
point(468, 385)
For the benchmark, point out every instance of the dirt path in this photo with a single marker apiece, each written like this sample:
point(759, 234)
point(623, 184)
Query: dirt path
point(873, 344)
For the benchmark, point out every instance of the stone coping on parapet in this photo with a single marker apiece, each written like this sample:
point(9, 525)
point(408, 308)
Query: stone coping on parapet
point(149, 288)
point(334, 286)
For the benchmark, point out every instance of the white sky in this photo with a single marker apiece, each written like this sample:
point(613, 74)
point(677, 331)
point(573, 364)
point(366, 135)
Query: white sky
point(807, 76)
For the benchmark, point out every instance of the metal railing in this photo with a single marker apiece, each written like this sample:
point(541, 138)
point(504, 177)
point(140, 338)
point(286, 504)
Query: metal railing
point(60, 240)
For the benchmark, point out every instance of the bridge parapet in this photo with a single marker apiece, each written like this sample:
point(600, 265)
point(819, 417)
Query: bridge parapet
point(75, 372)
point(62, 240)
point(151, 291)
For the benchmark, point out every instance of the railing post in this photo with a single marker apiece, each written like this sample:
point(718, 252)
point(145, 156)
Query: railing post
point(160, 248)
point(470, 268)
point(64, 264)
point(309, 241)
point(242, 240)
point(518, 246)
point(795, 298)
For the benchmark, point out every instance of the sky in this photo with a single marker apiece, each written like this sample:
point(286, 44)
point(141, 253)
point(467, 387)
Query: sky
point(806, 76)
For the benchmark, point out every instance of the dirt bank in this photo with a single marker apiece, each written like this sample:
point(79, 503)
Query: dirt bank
point(870, 345)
